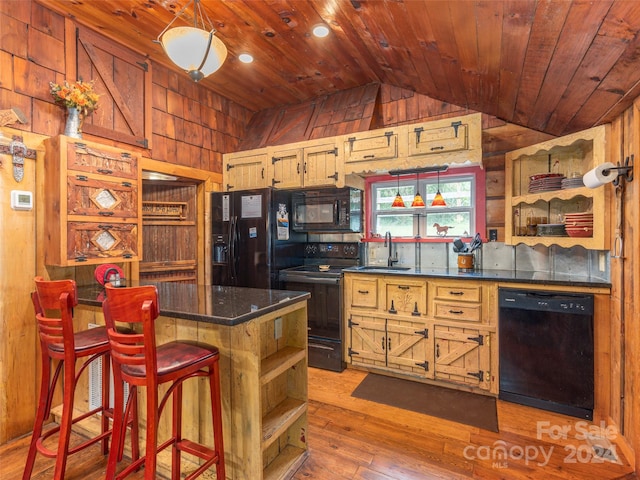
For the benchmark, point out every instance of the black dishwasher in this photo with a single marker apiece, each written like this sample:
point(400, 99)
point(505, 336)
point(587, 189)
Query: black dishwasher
point(546, 350)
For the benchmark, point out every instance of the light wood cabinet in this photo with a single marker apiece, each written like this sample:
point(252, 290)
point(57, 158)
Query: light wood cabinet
point(405, 296)
point(445, 141)
point(370, 151)
point(246, 170)
point(423, 328)
point(311, 164)
point(462, 355)
point(529, 203)
point(94, 207)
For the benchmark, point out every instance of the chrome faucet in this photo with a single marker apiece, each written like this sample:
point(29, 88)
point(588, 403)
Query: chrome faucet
point(389, 242)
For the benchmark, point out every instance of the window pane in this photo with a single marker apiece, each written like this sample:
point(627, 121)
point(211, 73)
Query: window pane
point(450, 224)
point(456, 194)
point(398, 225)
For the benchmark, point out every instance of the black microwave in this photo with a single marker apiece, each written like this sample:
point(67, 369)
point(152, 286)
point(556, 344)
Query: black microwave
point(327, 210)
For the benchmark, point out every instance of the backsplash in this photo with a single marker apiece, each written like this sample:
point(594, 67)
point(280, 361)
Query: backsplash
point(496, 256)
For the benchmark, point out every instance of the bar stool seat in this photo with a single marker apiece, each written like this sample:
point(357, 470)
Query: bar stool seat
point(58, 341)
point(138, 361)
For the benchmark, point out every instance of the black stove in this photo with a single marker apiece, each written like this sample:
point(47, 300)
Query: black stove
point(324, 307)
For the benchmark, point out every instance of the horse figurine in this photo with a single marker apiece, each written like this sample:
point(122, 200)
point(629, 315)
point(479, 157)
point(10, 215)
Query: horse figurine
point(441, 231)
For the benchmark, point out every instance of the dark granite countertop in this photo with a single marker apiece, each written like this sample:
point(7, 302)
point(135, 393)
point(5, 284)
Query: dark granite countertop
point(546, 278)
point(208, 303)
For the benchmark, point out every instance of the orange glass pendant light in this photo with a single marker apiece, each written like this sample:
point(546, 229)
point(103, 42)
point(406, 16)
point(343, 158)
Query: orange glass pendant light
point(438, 200)
point(418, 202)
point(398, 202)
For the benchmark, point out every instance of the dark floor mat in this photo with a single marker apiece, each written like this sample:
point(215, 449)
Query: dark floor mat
point(462, 407)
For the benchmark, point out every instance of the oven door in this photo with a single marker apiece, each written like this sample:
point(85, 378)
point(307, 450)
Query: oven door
point(324, 305)
point(324, 319)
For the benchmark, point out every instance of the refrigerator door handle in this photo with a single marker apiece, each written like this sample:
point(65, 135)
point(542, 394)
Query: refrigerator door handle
point(336, 212)
point(233, 233)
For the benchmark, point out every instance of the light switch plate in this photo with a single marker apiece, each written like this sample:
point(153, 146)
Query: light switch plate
point(277, 328)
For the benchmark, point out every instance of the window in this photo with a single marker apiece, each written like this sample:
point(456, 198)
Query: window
point(462, 189)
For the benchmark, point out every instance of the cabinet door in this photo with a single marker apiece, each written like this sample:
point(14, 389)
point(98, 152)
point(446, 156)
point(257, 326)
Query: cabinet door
point(93, 243)
point(245, 171)
point(380, 146)
point(287, 168)
point(320, 165)
point(367, 341)
point(406, 297)
point(462, 355)
point(102, 197)
point(408, 347)
point(103, 160)
point(450, 138)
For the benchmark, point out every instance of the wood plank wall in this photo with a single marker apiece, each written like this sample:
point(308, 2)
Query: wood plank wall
point(192, 127)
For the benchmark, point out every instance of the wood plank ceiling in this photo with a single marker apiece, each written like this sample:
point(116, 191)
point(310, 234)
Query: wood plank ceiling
point(556, 66)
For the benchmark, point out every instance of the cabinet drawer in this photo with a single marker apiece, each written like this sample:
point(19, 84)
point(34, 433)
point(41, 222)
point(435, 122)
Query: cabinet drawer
point(96, 242)
point(103, 160)
point(459, 293)
point(364, 293)
point(109, 198)
point(468, 312)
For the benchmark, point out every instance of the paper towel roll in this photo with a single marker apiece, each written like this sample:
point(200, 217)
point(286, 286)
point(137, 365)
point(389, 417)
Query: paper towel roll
point(596, 178)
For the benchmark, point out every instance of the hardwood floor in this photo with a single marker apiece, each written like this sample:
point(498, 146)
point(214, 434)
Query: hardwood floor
point(354, 439)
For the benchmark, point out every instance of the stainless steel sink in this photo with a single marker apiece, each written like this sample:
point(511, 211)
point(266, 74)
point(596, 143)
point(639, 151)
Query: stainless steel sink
point(382, 267)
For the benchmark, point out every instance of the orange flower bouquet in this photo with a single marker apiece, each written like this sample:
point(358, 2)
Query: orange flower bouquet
point(79, 95)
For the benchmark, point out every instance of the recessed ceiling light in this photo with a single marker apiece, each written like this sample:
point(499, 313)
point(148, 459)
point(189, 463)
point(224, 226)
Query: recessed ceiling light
point(245, 58)
point(321, 30)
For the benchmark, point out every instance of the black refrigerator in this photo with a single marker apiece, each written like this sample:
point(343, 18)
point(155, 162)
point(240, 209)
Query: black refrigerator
point(252, 238)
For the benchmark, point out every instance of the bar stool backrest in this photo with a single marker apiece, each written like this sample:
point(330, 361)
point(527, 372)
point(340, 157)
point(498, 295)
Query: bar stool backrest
point(59, 296)
point(137, 307)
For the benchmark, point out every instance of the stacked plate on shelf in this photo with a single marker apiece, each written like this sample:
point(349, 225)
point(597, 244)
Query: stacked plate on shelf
point(545, 182)
point(573, 182)
point(579, 224)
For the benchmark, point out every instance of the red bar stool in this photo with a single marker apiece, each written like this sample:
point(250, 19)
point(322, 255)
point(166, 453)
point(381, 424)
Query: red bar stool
point(59, 342)
point(138, 361)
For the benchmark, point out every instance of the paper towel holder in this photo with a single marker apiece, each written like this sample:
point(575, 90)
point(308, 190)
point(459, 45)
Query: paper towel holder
point(625, 170)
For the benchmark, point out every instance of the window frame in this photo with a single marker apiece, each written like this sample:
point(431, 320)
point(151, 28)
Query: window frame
point(479, 187)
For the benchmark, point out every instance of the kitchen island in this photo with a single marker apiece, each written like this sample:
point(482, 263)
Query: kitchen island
point(262, 337)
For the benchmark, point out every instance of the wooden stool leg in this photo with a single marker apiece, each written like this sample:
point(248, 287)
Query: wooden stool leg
point(106, 370)
point(151, 450)
point(66, 421)
point(44, 404)
point(176, 432)
point(117, 435)
point(216, 416)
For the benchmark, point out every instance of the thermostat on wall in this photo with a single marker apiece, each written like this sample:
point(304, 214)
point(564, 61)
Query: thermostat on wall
point(21, 200)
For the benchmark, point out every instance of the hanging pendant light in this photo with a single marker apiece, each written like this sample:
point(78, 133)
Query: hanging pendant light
point(418, 202)
point(398, 202)
point(438, 200)
point(195, 49)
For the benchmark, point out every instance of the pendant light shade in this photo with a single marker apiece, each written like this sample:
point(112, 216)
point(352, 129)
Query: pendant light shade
point(438, 200)
point(398, 202)
point(195, 49)
point(418, 202)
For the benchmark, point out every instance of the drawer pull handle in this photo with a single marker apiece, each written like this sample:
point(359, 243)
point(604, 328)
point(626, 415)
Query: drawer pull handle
point(456, 312)
point(456, 293)
point(369, 156)
point(105, 171)
point(404, 287)
point(364, 292)
point(106, 214)
point(437, 148)
point(105, 227)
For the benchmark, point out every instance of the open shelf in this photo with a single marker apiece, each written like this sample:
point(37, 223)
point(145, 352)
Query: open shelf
point(280, 418)
point(289, 460)
point(279, 362)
